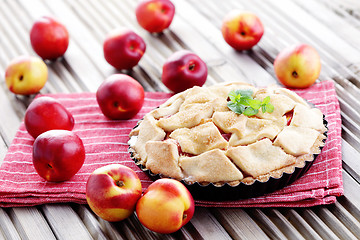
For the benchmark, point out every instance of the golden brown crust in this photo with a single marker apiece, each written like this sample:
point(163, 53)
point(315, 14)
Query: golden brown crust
point(211, 166)
point(259, 158)
point(163, 158)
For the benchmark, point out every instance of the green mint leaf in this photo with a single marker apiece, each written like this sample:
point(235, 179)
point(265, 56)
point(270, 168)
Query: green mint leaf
point(245, 92)
point(236, 108)
point(266, 100)
point(255, 103)
point(244, 100)
point(249, 111)
point(232, 96)
point(269, 108)
point(263, 108)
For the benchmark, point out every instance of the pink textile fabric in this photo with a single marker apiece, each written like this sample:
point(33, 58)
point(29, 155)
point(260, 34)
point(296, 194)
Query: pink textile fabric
point(105, 143)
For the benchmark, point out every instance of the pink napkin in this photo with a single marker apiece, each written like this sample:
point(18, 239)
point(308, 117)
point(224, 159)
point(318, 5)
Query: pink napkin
point(105, 143)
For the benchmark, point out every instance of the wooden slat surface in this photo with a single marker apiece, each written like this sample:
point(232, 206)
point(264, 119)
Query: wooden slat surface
point(332, 27)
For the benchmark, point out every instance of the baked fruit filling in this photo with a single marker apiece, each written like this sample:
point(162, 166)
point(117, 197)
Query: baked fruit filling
point(228, 133)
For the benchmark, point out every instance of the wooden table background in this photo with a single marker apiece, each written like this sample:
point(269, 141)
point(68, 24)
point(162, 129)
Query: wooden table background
point(332, 27)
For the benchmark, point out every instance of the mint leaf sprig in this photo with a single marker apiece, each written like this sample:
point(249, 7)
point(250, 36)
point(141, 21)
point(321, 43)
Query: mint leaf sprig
point(242, 102)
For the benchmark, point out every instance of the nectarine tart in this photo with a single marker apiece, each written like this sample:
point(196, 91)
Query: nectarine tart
point(230, 140)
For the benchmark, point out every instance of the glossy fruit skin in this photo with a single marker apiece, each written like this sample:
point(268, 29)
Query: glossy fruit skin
point(26, 75)
point(165, 206)
point(155, 15)
point(49, 38)
point(58, 155)
point(297, 66)
point(46, 113)
point(183, 70)
point(112, 192)
point(123, 48)
point(120, 97)
point(242, 30)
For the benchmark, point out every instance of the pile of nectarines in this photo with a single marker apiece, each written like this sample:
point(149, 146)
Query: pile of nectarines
point(58, 153)
point(114, 191)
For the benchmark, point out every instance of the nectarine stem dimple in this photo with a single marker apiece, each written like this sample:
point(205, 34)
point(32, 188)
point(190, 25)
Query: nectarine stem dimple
point(294, 74)
point(192, 67)
point(21, 77)
point(184, 216)
point(243, 33)
point(50, 166)
point(120, 183)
